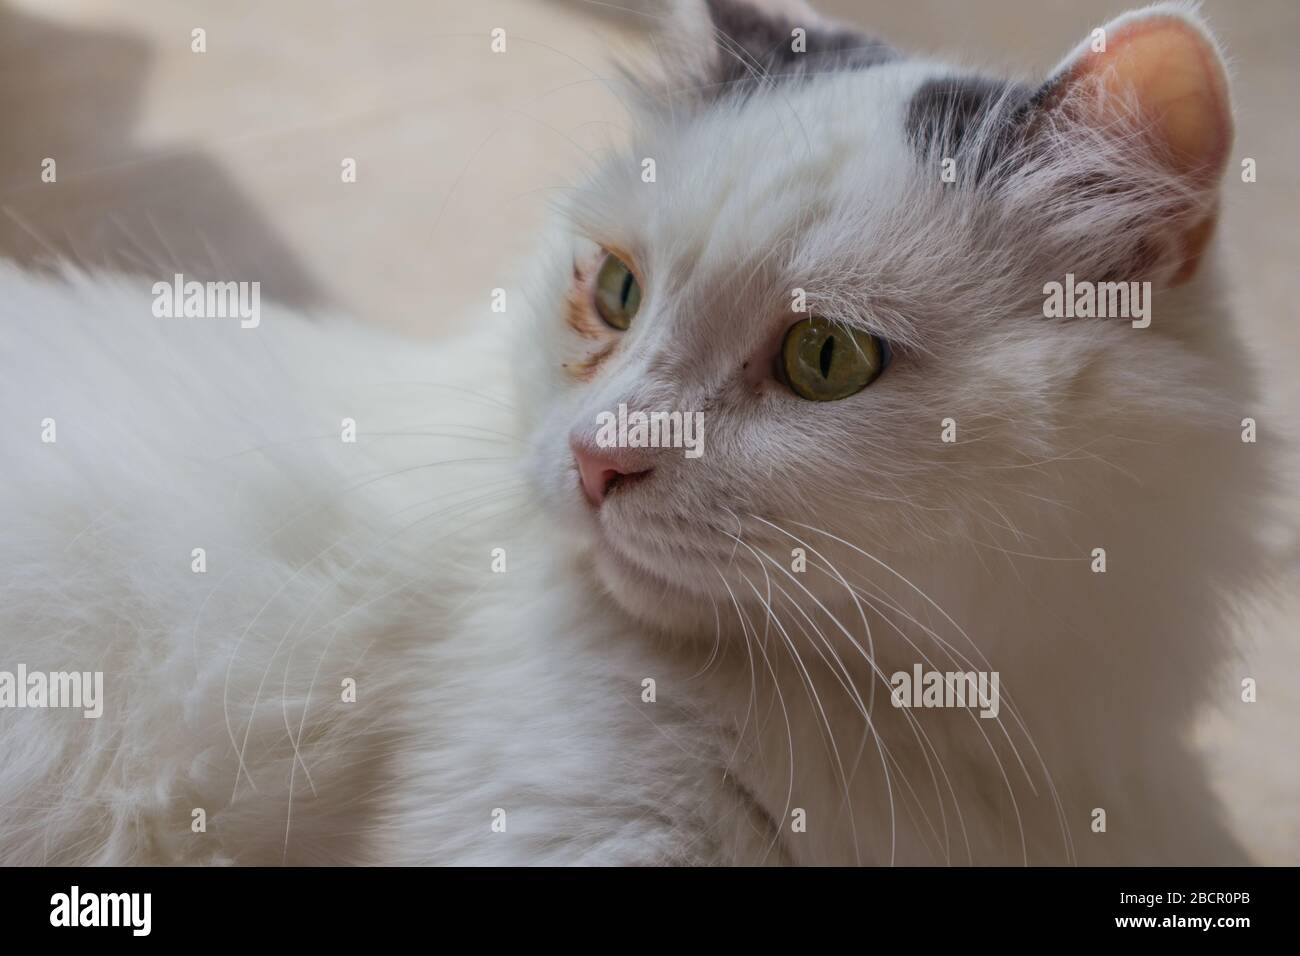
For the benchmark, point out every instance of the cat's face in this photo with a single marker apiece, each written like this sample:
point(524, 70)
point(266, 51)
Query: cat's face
point(859, 341)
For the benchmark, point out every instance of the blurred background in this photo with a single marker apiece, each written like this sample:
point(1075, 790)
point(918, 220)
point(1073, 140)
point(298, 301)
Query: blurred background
point(227, 164)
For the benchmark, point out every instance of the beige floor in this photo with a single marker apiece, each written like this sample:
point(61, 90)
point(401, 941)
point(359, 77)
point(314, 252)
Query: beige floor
point(227, 163)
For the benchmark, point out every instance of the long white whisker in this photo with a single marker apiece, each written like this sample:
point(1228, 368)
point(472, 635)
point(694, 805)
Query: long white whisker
point(1015, 716)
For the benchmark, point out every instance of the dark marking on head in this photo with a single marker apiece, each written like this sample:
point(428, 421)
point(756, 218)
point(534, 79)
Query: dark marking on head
point(975, 121)
point(755, 49)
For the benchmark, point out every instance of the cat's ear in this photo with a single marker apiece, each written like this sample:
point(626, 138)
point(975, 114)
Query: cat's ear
point(1154, 80)
point(725, 48)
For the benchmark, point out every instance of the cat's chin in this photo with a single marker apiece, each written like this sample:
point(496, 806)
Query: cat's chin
point(660, 601)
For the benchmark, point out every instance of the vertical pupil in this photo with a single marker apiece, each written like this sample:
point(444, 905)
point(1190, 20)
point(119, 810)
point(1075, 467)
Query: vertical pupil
point(627, 288)
point(828, 349)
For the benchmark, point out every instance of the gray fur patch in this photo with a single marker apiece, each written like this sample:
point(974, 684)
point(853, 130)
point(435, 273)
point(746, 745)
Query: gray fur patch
point(754, 49)
point(974, 120)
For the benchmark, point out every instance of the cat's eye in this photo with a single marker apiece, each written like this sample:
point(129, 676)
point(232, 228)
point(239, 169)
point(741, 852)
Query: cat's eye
point(618, 295)
point(823, 361)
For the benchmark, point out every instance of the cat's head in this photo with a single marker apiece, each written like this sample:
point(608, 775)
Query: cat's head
point(836, 258)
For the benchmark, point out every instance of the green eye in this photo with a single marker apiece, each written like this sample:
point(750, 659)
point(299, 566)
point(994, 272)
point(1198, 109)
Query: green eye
point(618, 295)
point(824, 362)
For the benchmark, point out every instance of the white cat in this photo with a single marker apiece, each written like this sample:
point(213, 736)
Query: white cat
point(476, 635)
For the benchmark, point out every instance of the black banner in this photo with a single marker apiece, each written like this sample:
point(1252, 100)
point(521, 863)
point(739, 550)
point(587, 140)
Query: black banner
point(923, 905)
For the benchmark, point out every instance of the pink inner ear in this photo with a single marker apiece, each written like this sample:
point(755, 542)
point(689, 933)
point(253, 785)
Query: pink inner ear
point(1170, 70)
point(1177, 78)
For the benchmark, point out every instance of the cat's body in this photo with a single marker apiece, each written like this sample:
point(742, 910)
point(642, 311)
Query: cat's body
point(609, 686)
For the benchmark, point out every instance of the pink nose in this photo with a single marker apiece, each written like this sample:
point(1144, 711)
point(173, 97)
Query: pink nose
point(601, 469)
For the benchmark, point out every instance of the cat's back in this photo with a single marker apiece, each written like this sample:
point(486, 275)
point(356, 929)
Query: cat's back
point(219, 520)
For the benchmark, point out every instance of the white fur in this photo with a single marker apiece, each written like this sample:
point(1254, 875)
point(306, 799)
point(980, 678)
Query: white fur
point(523, 691)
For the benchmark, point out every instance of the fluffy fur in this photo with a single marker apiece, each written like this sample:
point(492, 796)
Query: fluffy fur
point(523, 691)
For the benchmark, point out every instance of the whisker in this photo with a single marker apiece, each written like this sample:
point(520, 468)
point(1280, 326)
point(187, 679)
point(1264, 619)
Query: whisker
point(1011, 707)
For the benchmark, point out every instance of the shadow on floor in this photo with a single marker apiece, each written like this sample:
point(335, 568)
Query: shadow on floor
point(72, 95)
